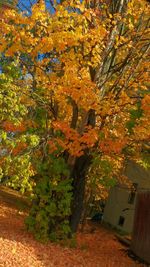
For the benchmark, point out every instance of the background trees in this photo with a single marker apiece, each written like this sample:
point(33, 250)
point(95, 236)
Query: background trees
point(82, 74)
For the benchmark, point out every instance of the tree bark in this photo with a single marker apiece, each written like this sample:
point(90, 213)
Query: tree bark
point(78, 175)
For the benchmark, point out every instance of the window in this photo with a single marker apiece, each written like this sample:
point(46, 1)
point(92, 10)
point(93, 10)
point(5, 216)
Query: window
point(121, 221)
point(132, 194)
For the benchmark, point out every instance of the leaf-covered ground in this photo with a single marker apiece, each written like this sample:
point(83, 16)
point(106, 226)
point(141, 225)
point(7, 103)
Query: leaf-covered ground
point(19, 249)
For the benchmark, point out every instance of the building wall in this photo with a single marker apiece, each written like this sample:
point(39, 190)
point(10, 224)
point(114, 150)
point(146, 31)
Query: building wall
point(117, 204)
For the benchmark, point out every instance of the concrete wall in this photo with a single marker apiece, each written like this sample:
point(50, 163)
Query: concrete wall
point(117, 204)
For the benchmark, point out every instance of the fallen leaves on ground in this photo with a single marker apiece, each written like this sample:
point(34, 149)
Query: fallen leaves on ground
point(18, 248)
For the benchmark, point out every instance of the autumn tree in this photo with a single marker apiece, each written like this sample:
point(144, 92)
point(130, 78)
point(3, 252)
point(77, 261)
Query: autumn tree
point(79, 82)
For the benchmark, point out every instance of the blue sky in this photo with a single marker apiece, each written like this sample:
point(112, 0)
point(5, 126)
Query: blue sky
point(25, 4)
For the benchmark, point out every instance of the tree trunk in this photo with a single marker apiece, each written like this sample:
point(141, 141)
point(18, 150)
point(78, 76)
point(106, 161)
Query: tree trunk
point(78, 174)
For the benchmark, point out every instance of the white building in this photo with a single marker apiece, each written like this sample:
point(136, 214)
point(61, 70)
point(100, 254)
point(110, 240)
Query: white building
point(120, 206)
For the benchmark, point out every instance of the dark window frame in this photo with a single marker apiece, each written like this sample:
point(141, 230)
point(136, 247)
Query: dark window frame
point(121, 221)
point(132, 194)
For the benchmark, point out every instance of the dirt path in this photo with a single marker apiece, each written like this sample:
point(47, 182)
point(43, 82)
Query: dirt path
point(19, 249)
